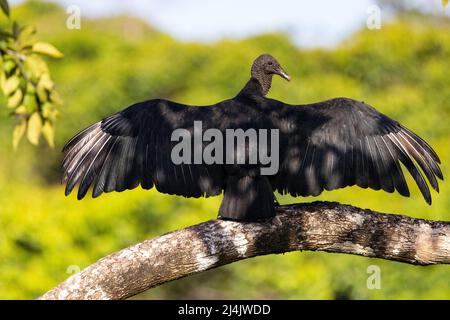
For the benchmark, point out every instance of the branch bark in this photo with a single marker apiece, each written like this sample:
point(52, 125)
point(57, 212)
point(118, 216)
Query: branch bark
point(318, 226)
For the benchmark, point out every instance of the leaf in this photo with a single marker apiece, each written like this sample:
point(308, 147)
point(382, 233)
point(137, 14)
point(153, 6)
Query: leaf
point(42, 94)
point(21, 110)
point(34, 128)
point(36, 66)
point(25, 36)
point(31, 89)
point(15, 99)
point(19, 131)
point(49, 111)
point(5, 7)
point(46, 82)
point(2, 79)
point(54, 97)
point(47, 49)
point(9, 66)
point(15, 30)
point(10, 85)
point(30, 102)
point(49, 133)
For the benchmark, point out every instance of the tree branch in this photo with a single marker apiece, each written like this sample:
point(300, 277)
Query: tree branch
point(323, 226)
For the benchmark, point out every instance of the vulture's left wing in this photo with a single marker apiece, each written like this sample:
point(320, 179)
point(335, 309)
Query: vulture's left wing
point(343, 142)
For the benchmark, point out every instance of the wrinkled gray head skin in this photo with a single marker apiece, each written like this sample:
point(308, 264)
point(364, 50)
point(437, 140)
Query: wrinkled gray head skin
point(264, 67)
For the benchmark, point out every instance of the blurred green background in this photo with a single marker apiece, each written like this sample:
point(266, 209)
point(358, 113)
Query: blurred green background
point(402, 69)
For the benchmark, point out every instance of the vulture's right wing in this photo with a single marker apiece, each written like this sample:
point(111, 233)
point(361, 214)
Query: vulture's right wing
point(133, 147)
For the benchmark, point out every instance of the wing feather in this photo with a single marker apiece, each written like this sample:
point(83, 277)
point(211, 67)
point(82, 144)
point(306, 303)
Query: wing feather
point(133, 147)
point(353, 144)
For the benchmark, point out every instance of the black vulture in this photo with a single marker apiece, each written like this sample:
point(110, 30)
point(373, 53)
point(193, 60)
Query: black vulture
point(321, 146)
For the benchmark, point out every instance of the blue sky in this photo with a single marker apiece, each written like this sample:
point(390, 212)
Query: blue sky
point(310, 23)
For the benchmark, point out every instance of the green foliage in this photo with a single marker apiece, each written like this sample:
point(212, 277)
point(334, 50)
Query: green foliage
point(402, 70)
point(4, 5)
point(26, 83)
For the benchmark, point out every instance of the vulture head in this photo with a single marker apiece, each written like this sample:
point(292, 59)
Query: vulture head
point(264, 67)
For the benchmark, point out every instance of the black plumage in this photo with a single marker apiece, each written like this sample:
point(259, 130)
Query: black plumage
point(323, 146)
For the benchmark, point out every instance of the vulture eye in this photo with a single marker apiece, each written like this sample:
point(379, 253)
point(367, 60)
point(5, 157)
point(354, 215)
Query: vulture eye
point(270, 63)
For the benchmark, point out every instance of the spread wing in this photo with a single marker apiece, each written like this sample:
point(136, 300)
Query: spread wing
point(133, 147)
point(343, 142)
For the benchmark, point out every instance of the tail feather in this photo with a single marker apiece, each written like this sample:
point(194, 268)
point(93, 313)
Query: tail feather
point(247, 199)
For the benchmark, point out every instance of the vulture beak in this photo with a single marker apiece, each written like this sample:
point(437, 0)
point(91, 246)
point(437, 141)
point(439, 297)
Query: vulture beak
point(283, 74)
